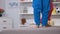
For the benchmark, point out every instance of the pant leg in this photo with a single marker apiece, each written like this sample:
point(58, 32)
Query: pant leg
point(37, 8)
point(45, 12)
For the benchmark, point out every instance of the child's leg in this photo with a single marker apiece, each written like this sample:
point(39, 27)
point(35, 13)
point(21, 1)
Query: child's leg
point(37, 8)
point(50, 12)
point(45, 12)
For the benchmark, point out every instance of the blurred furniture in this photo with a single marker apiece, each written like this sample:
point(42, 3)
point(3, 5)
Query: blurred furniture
point(5, 23)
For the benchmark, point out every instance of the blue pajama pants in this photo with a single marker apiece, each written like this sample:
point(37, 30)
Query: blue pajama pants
point(41, 6)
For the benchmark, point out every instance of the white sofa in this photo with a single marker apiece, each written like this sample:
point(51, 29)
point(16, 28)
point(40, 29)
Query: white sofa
point(48, 30)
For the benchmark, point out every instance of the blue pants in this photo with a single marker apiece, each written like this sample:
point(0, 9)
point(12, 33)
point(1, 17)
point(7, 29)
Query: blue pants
point(41, 6)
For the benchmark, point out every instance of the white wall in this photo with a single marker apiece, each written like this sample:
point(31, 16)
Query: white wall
point(13, 12)
point(2, 4)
